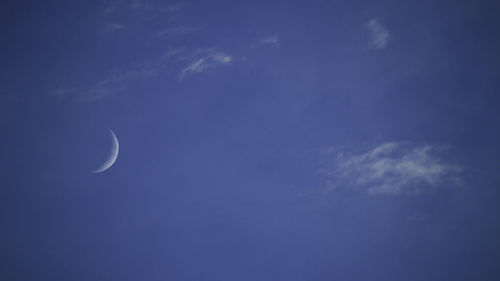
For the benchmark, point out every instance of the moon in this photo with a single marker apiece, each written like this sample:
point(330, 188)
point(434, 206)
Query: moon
point(112, 155)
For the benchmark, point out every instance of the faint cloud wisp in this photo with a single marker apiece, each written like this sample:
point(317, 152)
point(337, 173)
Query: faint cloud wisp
point(379, 34)
point(392, 168)
point(142, 9)
point(272, 41)
point(210, 59)
point(117, 80)
point(111, 27)
point(178, 30)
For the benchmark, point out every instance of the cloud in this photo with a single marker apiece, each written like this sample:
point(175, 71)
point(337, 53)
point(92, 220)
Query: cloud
point(116, 80)
point(272, 41)
point(176, 7)
point(178, 30)
point(142, 9)
point(111, 27)
point(379, 34)
point(119, 79)
point(111, 6)
point(137, 5)
point(61, 92)
point(208, 60)
point(392, 168)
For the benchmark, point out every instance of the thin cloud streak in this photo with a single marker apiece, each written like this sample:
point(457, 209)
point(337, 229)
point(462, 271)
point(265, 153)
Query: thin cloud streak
point(115, 82)
point(209, 60)
point(198, 61)
point(111, 27)
point(176, 31)
point(142, 9)
point(272, 41)
point(379, 34)
point(118, 79)
point(392, 168)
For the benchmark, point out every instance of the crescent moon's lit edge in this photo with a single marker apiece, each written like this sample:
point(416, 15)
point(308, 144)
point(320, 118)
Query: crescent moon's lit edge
point(112, 156)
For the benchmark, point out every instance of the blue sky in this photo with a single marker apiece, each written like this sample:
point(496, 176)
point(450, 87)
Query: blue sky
point(259, 140)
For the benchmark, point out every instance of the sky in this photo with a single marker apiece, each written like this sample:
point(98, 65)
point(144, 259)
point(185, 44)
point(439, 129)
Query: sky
point(258, 140)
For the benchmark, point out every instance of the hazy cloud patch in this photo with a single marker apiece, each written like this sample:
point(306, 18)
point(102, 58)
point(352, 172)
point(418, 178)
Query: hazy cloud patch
point(141, 8)
point(391, 168)
point(208, 59)
point(379, 34)
point(111, 27)
point(169, 62)
point(61, 92)
point(173, 8)
point(111, 6)
point(272, 41)
point(118, 78)
point(178, 30)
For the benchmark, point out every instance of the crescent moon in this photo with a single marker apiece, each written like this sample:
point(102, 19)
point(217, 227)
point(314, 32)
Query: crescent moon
point(112, 155)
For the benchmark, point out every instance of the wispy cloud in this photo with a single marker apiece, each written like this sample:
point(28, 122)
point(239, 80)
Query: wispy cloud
point(139, 5)
point(111, 27)
point(379, 34)
point(178, 63)
point(392, 168)
point(61, 92)
point(116, 80)
point(141, 8)
point(119, 79)
point(173, 8)
point(178, 30)
point(271, 41)
point(111, 6)
point(207, 59)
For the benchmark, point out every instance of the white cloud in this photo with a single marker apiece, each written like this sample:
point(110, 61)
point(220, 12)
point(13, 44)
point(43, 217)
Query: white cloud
point(116, 80)
point(178, 30)
point(392, 168)
point(142, 9)
point(272, 41)
point(61, 92)
point(174, 7)
point(209, 59)
point(110, 27)
point(111, 6)
point(379, 34)
point(137, 5)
